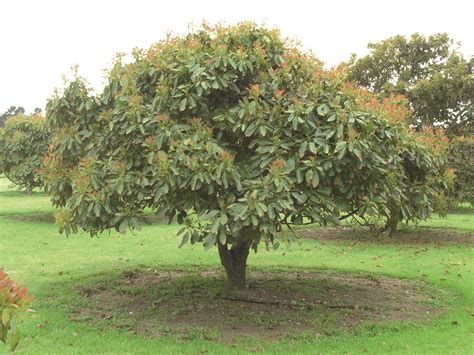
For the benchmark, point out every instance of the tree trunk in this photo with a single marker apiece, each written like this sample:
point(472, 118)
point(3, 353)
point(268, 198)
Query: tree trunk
point(234, 261)
point(392, 220)
point(29, 190)
point(391, 225)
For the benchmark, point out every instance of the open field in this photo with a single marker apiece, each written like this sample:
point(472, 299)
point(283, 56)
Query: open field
point(139, 293)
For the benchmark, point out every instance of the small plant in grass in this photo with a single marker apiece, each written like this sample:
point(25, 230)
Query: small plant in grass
point(13, 300)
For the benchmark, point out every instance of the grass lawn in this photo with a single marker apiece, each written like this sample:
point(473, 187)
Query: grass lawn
point(64, 274)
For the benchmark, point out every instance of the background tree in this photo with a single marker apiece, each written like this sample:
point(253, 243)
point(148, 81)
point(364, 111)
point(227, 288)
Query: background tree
point(421, 183)
point(23, 144)
point(461, 160)
point(429, 71)
point(12, 111)
point(233, 131)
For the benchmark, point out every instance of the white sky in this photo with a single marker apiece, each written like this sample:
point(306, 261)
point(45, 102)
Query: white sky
point(41, 40)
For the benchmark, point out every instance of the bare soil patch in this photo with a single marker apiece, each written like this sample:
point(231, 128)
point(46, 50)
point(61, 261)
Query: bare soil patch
point(194, 304)
point(418, 236)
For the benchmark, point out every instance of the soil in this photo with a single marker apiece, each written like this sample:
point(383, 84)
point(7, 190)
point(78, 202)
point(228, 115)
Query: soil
point(274, 304)
point(418, 236)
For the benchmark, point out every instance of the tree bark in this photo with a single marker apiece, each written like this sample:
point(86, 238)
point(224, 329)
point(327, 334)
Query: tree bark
point(29, 190)
point(234, 260)
point(392, 220)
point(391, 225)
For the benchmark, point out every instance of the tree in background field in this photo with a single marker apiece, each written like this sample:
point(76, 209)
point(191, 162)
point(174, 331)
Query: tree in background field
point(435, 78)
point(421, 183)
point(24, 142)
point(234, 132)
point(13, 111)
point(461, 160)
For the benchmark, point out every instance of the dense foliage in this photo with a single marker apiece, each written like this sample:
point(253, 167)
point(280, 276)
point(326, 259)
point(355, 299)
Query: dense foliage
point(24, 142)
point(436, 79)
point(13, 300)
point(461, 160)
point(237, 134)
point(423, 181)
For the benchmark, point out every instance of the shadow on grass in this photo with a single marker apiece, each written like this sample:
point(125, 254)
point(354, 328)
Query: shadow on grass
point(407, 236)
point(193, 303)
point(19, 193)
point(48, 217)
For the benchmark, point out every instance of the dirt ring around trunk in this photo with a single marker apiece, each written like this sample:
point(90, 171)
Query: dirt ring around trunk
point(196, 304)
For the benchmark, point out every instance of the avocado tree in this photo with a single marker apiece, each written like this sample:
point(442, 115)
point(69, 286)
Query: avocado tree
point(421, 183)
point(231, 130)
point(424, 183)
point(461, 160)
point(429, 71)
point(12, 111)
point(24, 142)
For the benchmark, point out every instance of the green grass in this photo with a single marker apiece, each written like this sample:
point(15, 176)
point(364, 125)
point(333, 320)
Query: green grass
point(51, 265)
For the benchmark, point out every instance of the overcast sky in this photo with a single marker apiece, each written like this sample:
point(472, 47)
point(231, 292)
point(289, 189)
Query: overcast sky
point(41, 40)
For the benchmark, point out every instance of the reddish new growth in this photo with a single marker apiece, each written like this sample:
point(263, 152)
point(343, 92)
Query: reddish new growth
point(82, 183)
point(87, 162)
point(338, 71)
point(394, 109)
point(255, 91)
point(150, 143)
point(11, 293)
point(162, 118)
point(196, 121)
point(226, 157)
point(278, 94)
point(277, 166)
point(434, 139)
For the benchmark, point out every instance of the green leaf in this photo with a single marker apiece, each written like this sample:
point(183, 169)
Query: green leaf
point(209, 241)
point(6, 316)
point(209, 215)
point(224, 219)
point(315, 180)
point(14, 339)
point(3, 333)
point(340, 145)
point(300, 197)
point(302, 149)
point(185, 239)
point(340, 131)
point(322, 109)
point(222, 238)
point(358, 153)
point(123, 226)
point(182, 104)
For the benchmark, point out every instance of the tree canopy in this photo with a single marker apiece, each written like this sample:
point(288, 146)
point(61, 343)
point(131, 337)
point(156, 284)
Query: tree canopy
point(24, 142)
point(233, 131)
point(461, 160)
point(436, 79)
point(12, 111)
